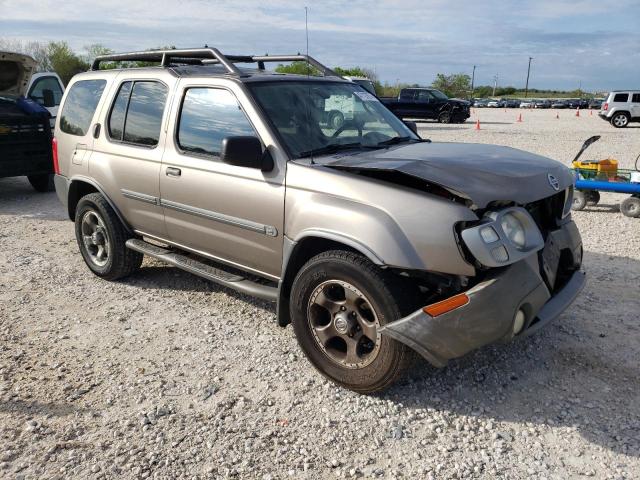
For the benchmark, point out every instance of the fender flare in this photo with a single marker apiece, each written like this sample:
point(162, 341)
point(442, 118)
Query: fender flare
point(98, 187)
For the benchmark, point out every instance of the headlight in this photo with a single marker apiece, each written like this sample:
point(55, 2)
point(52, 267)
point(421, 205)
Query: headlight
point(514, 230)
point(503, 237)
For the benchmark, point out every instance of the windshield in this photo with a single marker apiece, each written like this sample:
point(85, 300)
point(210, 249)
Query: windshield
point(323, 117)
point(439, 94)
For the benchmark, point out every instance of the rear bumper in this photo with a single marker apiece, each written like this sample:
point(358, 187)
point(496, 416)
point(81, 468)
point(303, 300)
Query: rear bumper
point(490, 314)
point(603, 116)
point(62, 189)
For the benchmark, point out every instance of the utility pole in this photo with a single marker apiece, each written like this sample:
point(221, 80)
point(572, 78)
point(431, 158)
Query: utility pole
point(526, 88)
point(495, 84)
point(473, 77)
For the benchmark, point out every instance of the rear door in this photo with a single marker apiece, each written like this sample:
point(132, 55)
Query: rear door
point(128, 151)
point(231, 213)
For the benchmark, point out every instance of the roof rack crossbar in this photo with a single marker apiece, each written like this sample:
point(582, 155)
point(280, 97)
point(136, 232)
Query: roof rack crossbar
point(199, 56)
point(164, 57)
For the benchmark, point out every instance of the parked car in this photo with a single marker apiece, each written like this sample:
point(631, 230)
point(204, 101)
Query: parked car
point(542, 104)
point(371, 240)
point(494, 103)
point(27, 103)
point(596, 103)
point(621, 107)
point(527, 103)
point(481, 103)
point(511, 103)
point(559, 104)
point(428, 103)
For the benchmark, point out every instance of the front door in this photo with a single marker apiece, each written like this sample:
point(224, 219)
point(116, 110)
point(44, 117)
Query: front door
point(233, 214)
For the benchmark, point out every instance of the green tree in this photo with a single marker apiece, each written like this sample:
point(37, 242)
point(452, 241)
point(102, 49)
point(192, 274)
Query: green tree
point(64, 61)
point(456, 85)
point(298, 68)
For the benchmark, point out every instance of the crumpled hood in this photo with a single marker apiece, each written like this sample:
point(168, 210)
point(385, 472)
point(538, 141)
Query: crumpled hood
point(478, 172)
point(16, 70)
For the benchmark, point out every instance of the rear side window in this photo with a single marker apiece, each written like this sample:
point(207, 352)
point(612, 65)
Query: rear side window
point(621, 97)
point(207, 116)
point(80, 105)
point(636, 98)
point(136, 115)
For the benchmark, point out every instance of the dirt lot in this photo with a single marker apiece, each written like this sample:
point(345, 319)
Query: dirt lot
point(167, 376)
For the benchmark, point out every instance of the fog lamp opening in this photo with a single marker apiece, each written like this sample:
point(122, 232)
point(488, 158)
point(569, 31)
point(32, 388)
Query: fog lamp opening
point(518, 321)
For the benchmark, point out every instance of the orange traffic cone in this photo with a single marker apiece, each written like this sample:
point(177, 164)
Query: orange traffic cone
point(519, 118)
point(478, 124)
point(591, 113)
point(557, 116)
point(578, 112)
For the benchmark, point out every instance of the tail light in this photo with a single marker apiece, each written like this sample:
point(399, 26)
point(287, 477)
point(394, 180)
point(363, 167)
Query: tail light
point(605, 106)
point(54, 150)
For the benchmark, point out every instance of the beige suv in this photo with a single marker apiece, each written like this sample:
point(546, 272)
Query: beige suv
point(373, 242)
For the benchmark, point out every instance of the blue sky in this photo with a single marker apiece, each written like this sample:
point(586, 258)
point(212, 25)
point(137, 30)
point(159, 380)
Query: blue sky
point(584, 42)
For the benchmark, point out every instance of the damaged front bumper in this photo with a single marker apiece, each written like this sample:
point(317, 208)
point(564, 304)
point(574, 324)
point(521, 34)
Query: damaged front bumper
point(490, 313)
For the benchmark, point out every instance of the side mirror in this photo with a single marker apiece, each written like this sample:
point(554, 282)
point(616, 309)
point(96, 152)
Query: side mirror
point(412, 126)
point(245, 151)
point(48, 99)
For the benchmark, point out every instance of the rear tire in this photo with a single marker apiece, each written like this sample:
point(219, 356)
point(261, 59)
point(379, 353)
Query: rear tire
point(101, 238)
point(630, 207)
point(579, 200)
point(351, 359)
point(42, 183)
point(620, 120)
point(336, 119)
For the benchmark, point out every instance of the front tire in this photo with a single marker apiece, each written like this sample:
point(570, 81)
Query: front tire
point(41, 183)
point(444, 117)
point(101, 238)
point(339, 302)
point(579, 201)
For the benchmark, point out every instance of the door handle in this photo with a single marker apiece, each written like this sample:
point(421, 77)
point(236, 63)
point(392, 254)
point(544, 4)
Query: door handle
point(173, 172)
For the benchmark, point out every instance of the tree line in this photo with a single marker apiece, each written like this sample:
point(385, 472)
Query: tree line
point(60, 58)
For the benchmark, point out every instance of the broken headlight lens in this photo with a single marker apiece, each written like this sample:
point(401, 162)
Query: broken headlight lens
point(514, 230)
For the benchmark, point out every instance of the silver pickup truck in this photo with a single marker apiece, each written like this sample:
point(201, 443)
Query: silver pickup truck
point(373, 242)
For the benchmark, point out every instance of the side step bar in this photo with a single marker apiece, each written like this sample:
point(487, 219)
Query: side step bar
point(203, 270)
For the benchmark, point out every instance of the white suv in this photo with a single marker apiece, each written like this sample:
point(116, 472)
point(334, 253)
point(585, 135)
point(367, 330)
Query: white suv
point(621, 107)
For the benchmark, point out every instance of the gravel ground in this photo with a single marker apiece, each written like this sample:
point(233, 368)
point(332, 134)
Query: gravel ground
point(167, 376)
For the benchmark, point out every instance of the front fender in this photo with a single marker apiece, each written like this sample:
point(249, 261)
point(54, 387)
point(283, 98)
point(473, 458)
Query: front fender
point(393, 226)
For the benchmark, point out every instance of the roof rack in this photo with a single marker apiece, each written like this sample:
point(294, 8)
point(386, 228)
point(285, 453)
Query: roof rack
point(205, 56)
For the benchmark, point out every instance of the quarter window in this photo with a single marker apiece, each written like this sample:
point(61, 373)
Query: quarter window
point(636, 98)
point(136, 115)
point(208, 115)
point(80, 105)
point(621, 97)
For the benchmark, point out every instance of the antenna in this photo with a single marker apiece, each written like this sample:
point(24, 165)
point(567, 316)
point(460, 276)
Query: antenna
point(306, 32)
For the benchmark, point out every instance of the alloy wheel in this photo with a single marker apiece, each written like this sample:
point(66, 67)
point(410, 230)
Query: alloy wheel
point(95, 238)
point(344, 324)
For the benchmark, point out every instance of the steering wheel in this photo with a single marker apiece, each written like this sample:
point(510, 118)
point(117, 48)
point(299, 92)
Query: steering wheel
point(349, 123)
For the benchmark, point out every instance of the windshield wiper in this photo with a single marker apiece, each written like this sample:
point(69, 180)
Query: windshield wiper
point(394, 141)
point(334, 147)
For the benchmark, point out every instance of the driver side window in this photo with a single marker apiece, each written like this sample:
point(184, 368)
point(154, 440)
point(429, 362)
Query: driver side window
point(46, 83)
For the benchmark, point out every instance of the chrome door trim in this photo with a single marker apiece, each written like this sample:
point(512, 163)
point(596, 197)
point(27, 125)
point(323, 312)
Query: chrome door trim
point(208, 255)
point(222, 218)
point(142, 197)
